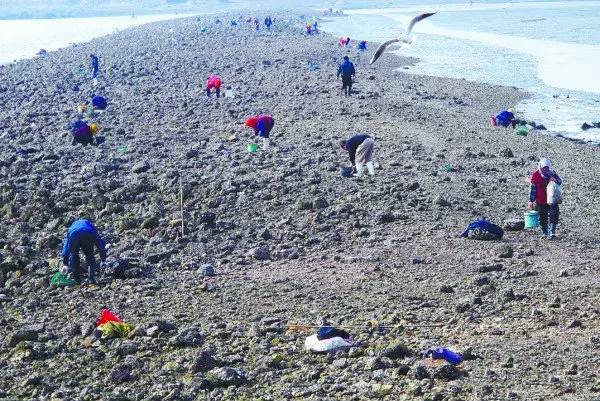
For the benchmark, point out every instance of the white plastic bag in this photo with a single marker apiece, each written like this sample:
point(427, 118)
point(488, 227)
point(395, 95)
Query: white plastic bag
point(312, 343)
point(553, 193)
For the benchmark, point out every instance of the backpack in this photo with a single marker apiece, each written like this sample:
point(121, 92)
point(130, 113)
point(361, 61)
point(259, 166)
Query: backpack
point(483, 230)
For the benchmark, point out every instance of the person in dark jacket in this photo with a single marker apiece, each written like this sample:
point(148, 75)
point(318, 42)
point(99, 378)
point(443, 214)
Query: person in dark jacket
point(360, 152)
point(347, 71)
point(82, 236)
point(268, 23)
point(95, 67)
point(537, 196)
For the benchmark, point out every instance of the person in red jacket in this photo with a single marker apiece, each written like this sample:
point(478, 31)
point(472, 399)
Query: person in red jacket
point(537, 196)
point(213, 83)
point(262, 126)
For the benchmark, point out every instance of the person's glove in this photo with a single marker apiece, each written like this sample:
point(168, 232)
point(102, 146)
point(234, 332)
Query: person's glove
point(530, 204)
point(64, 270)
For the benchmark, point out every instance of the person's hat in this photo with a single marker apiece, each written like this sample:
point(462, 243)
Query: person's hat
point(511, 110)
point(94, 128)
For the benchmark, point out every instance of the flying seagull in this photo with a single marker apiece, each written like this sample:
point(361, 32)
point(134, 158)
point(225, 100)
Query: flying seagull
point(406, 39)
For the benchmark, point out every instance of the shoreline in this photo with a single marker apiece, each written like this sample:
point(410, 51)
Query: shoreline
point(290, 240)
point(567, 116)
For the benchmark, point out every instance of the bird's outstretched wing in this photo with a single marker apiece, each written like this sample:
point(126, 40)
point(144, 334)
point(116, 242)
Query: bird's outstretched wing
point(381, 49)
point(414, 21)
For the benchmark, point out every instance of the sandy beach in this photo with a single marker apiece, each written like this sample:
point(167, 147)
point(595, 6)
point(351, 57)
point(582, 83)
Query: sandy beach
point(291, 241)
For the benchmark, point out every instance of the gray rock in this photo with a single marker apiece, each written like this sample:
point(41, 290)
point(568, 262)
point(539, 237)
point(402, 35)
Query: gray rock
point(226, 376)
point(446, 289)
point(513, 224)
point(266, 234)
point(203, 362)
point(497, 267)
point(397, 350)
point(261, 253)
point(441, 201)
point(504, 251)
point(207, 270)
point(133, 362)
point(120, 374)
point(507, 152)
point(447, 372)
point(508, 295)
point(420, 372)
point(141, 167)
point(374, 363)
point(188, 337)
point(24, 334)
point(159, 326)
point(386, 217)
point(320, 203)
point(127, 348)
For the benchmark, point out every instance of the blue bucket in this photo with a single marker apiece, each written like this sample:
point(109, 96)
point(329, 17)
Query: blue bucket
point(532, 219)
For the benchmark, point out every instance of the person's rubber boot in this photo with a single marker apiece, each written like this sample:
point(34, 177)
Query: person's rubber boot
point(544, 232)
point(360, 170)
point(75, 276)
point(370, 168)
point(266, 144)
point(92, 275)
point(552, 230)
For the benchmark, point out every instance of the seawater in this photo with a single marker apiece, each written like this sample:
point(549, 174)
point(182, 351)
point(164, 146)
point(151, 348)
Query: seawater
point(549, 49)
point(23, 38)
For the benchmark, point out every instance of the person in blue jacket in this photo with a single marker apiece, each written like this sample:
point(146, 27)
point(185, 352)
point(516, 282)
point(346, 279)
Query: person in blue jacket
point(347, 71)
point(360, 152)
point(95, 67)
point(82, 236)
point(268, 22)
point(506, 118)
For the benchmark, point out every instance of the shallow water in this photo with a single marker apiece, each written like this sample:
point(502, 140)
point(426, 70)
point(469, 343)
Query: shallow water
point(24, 38)
point(547, 48)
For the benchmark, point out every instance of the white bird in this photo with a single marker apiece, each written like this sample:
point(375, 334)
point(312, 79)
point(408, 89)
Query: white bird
point(406, 39)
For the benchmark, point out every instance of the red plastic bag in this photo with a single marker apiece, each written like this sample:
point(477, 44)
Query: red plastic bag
point(107, 316)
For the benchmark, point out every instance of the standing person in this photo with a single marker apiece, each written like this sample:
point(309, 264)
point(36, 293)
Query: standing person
point(537, 196)
point(82, 236)
point(213, 83)
point(347, 71)
point(95, 66)
point(360, 151)
point(262, 126)
point(268, 23)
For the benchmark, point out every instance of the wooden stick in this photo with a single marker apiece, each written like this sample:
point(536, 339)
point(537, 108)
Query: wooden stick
point(181, 205)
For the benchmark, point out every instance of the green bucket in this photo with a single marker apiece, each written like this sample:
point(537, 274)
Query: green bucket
point(522, 130)
point(252, 147)
point(532, 219)
point(60, 280)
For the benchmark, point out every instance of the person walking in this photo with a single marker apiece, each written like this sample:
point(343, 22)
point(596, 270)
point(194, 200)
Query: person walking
point(347, 72)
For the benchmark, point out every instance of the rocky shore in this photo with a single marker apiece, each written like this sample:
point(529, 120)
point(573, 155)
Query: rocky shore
point(291, 241)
